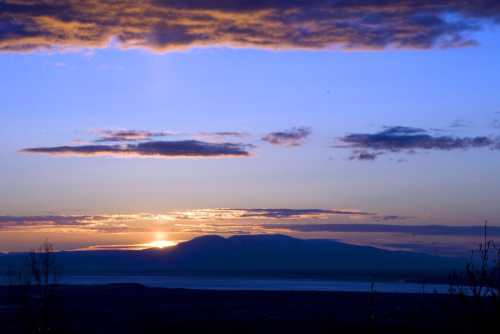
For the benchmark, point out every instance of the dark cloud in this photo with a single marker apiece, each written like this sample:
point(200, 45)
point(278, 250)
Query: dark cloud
point(393, 217)
point(296, 213)
point(366, 146)
point(166, 25)
point(291, 138)
point(128, 135)
point(160, 149)
point(444, 230)
point(364, 155)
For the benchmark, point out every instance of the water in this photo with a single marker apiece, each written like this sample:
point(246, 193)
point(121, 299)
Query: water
point(263, 284)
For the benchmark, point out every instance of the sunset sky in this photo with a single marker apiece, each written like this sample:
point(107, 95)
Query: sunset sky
point(130, 122)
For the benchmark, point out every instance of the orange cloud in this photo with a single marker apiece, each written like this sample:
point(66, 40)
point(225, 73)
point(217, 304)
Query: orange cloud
point(167, 25)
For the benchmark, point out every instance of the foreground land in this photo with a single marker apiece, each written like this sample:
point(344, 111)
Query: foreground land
point(136, 309)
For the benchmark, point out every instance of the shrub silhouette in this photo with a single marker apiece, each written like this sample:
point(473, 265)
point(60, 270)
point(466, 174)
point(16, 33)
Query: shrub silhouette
point(478, 285)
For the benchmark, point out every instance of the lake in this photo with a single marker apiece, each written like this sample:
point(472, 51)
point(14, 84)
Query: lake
point(263, 284)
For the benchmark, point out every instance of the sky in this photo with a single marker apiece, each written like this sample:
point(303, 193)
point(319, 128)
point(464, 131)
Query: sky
point(142, 121)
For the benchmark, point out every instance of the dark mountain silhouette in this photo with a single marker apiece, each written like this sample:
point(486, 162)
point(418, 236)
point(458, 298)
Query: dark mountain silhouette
point(256, 254)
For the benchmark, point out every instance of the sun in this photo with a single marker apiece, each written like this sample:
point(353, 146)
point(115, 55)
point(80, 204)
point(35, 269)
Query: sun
point(161, 241)
point(160, 244)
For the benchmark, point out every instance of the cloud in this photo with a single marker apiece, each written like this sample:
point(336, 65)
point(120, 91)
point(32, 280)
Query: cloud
point(235, 214)
point(226, 134)
point(129, 135)
point(166, 25)
point(111, 224)
point(424, 230)
point(366, 146)
point(119, 247)
point(459, 123)
point(296, 213)
point(393, 217)
point(364, 155)
point(222, 135)
point(291, 138)
point(157, 149)
point(217, 220)
point(212, 220)
point(25, 221)
point(197, 221)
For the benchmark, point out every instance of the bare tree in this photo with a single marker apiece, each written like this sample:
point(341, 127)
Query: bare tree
point(33, 288)
point(42, 265)
point(478, 285)
point(481, 276)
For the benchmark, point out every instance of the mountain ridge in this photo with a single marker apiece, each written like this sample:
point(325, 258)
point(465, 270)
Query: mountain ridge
point(255, 255)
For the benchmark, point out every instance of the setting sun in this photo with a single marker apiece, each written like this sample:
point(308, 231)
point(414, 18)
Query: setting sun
point(160, 244)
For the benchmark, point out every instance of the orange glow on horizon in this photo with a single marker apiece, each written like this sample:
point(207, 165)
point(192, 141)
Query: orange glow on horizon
point(160, 244)
point(161, 241)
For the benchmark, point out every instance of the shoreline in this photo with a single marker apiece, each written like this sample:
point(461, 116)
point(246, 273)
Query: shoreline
point(217, 283)
point(133, 308)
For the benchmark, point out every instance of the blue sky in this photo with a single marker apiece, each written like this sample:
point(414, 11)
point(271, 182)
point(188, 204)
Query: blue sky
point(52, 98)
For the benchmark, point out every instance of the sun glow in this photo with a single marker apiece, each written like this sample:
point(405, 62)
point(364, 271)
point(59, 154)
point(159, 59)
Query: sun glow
point(160, 241)
point(160, 244)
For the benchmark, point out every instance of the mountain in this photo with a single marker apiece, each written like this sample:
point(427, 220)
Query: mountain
point(255, 255)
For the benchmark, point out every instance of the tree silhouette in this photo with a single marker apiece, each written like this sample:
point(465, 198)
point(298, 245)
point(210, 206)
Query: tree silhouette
point(33, 284)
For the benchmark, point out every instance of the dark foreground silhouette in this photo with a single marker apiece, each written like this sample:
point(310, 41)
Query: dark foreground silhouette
point(34, 302)
point(137, 309)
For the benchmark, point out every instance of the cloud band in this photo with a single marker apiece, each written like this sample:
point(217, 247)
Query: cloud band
point(166, 25)
point(159, 149)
